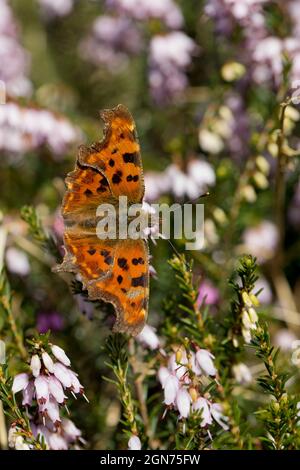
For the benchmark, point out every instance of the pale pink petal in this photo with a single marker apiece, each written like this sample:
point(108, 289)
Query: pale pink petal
point(205, 362)
point(62, 374)
point(48, 363)
point(28, 394)
point(183, 402)
point(56, 389)
point(35, 365)
point(20, 382)
point(171, 389)
point(203, 405)
point(60, 355)
point(42, 389)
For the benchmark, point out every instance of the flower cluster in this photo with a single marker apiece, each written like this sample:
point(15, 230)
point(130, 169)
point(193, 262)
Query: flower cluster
point(14, 60)
point(117, 36)
point(44, 391)
point(110, 42)
point(262, 51)
point(181, 381)
point(261, 240)
point(170, 56)
point(53, 8)
point(165, 10)
point(25, 129)
point(192, 183)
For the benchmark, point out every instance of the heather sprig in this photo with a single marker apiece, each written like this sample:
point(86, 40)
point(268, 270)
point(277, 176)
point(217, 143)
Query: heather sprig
point(117, 352)
point(281, 415)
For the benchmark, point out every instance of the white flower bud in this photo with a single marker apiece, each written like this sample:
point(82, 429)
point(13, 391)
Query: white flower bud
point(183, 402)
point(20, 382)
point(35, 365)
point(48, 363)
point(60, 355)
point(42, 390)
point(171, 387)
point(242, 373)
point(202, 405)
point(134, 443)
point(253, 315)
point(205, 362)
point(62, 374)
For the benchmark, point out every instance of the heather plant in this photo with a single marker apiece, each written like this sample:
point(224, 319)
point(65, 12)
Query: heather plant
point(213, 86)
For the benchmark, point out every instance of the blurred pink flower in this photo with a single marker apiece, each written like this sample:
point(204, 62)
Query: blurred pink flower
point(170, 56)
point(54, 8)
point(110, 42)
point(165, 10)
point(199, 176)
point(26, 129)
point(148, 338)
point(284, 339)
point(14, 60)
point(17, 261)
point(265, 297)
point(58, 225)
point(49, 321)
point(242, 373)
point(207, 293)
point(261, 240)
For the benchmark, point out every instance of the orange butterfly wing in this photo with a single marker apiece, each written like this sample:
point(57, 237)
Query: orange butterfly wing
point(117, 155)
point(113, 270)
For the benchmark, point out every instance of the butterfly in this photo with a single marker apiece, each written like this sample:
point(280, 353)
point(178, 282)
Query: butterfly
point(116, 271)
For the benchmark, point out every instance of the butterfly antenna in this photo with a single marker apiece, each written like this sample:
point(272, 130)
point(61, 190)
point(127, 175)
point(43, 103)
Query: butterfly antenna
point(177, 253)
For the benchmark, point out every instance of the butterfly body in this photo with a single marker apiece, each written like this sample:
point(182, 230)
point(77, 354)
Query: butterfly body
point(113, 269)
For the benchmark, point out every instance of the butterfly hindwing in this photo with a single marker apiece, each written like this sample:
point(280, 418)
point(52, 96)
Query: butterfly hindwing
point(126, 286)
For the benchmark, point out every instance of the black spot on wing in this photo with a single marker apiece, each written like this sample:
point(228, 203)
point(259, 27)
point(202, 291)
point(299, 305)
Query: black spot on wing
point(122, 263)
point(130, 158)
point(134, 178)
point(140, 281)
point(137, 261)
point(88, 192)
point(108, 260)
point(117, 177)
